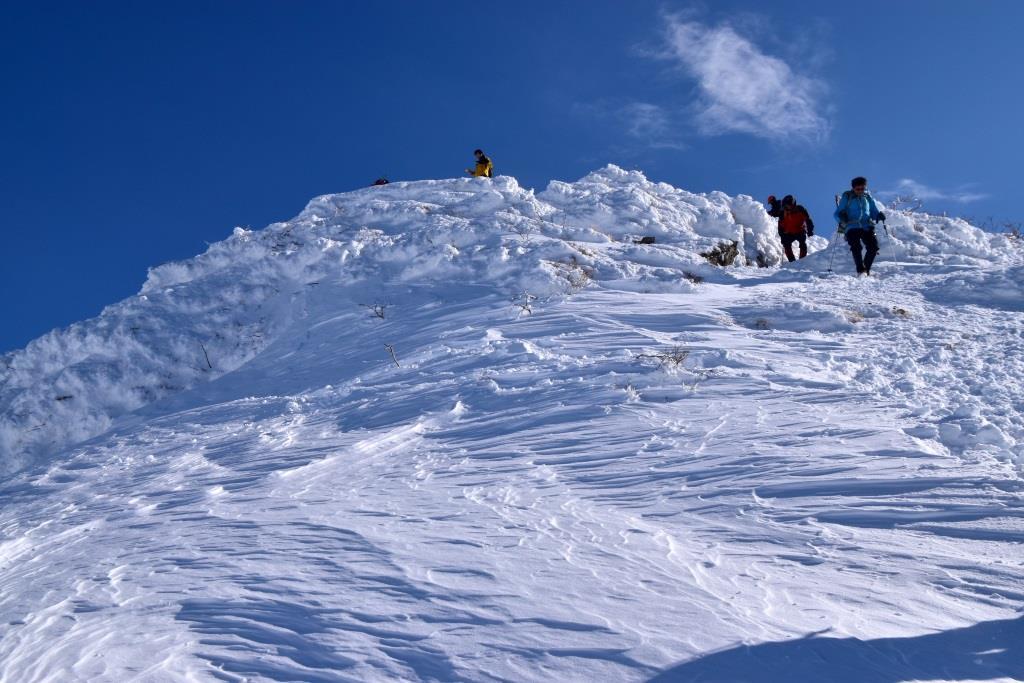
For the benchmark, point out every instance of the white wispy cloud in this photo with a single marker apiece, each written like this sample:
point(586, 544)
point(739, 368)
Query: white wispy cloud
point(961, 195)
point(743, 90)
point(648, 123)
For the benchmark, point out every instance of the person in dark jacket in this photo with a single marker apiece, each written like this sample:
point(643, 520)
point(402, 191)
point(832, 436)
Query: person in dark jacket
point(856, 215)
point(795, 224)
point(484, 168)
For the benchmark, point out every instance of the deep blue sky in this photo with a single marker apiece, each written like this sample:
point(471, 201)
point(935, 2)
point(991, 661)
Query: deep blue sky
point(134, 133)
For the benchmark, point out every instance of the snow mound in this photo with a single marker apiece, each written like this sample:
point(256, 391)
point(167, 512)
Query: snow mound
point(1001, 289)
point(938, 240)
point(624, 205)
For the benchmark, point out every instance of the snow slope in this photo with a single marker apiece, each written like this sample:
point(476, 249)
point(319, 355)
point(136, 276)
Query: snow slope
point(453, 430)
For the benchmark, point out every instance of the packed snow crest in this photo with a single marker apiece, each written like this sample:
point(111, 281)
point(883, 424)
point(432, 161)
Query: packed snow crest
point(454, 430)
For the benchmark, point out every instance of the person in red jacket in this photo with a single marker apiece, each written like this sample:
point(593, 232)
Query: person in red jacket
point(795, 224)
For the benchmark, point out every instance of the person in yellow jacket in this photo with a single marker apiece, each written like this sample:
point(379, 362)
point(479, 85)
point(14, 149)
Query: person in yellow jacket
point(484, 167)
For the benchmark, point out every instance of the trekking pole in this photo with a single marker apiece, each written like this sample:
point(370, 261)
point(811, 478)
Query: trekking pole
point(892, 245)
point(835, 240)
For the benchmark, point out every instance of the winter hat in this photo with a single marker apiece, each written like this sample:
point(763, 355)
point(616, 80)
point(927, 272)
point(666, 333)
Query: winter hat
point(788, 199)
point(859, 180)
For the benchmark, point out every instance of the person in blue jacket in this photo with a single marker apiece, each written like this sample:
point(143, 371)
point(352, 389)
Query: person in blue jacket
point(856, 215)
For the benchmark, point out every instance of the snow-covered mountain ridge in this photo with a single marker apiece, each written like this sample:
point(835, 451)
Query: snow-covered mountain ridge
point(453, 430)
point(226, 304)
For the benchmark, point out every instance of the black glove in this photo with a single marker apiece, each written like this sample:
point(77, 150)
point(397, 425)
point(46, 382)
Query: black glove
point(810, 231)
point(881, 216)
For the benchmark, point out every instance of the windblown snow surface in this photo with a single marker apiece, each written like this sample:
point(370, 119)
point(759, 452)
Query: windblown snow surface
point(456, 431)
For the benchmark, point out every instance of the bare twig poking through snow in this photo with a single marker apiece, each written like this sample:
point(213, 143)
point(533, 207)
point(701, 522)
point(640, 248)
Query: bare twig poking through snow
point(378, 309)
point(590, 253)
point(524, 229)
point(724, 254)
point(576, 275)
point(908, 203)
point(523, 302)
point(693, 277)
point(208, 363)
point(672, 358)
point(391, 350)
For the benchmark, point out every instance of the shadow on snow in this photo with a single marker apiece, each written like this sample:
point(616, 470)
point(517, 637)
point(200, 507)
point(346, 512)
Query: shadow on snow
point(984, 651)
